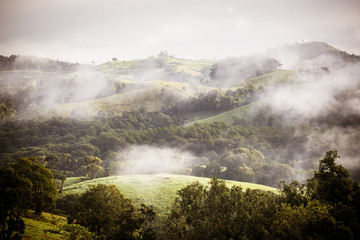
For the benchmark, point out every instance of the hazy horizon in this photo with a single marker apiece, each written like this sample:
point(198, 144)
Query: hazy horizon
point(91, 30)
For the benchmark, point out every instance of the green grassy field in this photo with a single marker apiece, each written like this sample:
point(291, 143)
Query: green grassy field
point(245, 113)
point(276, 77)
point(158, 191)
point(48, 227)
point(136, 91)
point(193, 67)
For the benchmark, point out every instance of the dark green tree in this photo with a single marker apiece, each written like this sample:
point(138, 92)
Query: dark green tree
point(15, 196)
point(59, 176)
point(7, 109)
point(43, 188)
point(78, 232)
point(294, 194)
point(332, 182)
point(314, 221)
point(59, 167)
point(220, 213)
point(92, 166)
point(105, 211)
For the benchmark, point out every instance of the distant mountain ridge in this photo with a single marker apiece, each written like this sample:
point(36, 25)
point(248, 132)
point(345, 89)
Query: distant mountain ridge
point(312, 55)
point(304, 51)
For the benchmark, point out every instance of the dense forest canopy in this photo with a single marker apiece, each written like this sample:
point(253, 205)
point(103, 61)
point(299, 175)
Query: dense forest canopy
point(272, 126)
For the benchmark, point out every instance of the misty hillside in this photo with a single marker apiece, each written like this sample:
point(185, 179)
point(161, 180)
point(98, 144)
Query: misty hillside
point(310, 55)
point(246, 118)
point(180, 120)
point(151, 127)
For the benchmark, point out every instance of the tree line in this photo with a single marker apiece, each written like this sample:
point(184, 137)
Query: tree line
point(325, 207)
point(238, 152)
point(16, 62)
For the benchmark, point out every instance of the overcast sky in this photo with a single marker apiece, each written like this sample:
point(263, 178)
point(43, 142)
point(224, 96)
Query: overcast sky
point(98, 30)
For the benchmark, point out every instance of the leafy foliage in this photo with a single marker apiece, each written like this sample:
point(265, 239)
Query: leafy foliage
point(220, 213)
point(332, 182)
point(78, 232)
point(15, 198)
point(105, 211)
point(43, 189)
point(299, 212)
point(313, 221)
point(92, 166)
point(103, 137)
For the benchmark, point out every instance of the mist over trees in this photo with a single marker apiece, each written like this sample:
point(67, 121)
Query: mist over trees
point(277, 128)
point(16, 62)
point(231, 70)
point(315, 211)
point(243, 118)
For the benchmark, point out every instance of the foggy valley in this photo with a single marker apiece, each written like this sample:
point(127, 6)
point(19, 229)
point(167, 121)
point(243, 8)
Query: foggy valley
point(246, 127)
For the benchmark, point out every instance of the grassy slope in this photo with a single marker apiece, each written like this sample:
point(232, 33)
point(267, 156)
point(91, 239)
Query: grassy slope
point(276, 77)
point(137, 93)
point(46, 228)
point(245, 112)
point(195, 68)
point(149, 96)
point(157, 190)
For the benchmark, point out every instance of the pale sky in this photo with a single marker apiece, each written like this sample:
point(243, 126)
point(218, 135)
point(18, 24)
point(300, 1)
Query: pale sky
point(98, 30)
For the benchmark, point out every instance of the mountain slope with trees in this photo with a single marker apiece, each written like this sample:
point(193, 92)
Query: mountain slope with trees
point(256, 119)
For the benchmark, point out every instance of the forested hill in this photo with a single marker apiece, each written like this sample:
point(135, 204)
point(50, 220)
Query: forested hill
point(265, 119)
point(248, 118)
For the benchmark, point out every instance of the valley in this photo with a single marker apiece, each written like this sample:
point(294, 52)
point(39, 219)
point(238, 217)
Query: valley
point(154, 131)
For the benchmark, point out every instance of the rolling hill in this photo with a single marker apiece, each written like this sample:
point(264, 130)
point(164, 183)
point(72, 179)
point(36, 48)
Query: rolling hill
point(246, 113)
point(158, 190)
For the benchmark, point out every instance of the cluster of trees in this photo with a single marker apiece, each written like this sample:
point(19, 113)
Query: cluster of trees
point(165, 69)
point(16, 62)
point(226, 151)
point(327, 207)
point(26, 186)
point(214, 100)
point(102, 210)
point(6, 109)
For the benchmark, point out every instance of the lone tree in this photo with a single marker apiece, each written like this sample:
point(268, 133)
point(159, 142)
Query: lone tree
point(43, 190)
